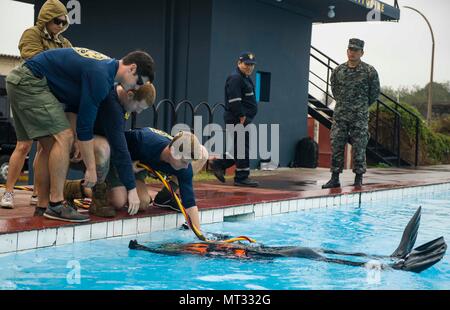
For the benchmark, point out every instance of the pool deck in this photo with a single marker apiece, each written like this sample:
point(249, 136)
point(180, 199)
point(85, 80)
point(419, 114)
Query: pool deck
point(283, 190)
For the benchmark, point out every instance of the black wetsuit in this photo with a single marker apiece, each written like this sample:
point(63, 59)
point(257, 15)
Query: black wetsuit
point(404, 258)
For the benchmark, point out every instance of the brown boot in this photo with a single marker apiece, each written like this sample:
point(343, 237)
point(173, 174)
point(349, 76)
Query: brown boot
point(73, 190)
point(100, 204)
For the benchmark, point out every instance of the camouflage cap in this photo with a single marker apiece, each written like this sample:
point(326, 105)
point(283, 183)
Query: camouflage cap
point(356, 44)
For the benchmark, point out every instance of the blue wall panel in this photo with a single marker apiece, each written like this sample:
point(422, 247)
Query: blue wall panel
point(281, 42)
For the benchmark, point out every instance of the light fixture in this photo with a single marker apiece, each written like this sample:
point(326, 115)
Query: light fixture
point(331, 13)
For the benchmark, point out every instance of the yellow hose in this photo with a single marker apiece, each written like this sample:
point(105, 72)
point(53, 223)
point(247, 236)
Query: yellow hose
point(196, 231)
point(20, 188)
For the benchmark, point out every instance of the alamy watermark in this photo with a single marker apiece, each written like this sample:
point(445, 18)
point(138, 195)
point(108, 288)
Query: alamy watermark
point(377, 8)
point(73, 277)
point(74, 10)
point(221, 141)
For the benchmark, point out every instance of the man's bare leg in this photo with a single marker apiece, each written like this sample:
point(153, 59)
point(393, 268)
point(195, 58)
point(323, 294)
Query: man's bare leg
point(36, 186)
point(16, 163)
point(144, 196)
point(194, 216)
point(118, 197)
point(74, 189)
point(15, 168)
point(41, 171)
point(58, 164)
point(100, 205)
point(102, 153)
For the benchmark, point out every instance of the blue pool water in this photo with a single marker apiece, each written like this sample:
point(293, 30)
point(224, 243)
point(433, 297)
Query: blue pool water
point(374, 228)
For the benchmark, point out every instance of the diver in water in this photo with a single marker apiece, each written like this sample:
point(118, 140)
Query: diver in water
point(404, 257)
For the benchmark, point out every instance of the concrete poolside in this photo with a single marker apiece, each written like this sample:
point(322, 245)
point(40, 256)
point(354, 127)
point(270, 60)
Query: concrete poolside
point(283, 190)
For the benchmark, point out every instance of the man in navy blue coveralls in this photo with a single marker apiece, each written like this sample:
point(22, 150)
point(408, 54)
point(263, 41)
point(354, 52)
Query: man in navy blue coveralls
point(240, 108)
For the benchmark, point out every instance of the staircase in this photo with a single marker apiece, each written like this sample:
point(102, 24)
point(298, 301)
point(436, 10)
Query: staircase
point(377, 151)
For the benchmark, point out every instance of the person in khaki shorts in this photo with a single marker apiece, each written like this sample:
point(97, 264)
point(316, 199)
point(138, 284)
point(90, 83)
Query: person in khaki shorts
point(39, 115)
point(82, 79)
point(52, 21)
point(37, 112)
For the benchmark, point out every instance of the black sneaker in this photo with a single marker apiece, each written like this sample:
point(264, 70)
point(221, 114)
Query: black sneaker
point(164, 199)
point(38, 211)
point(246, 183)
point(184, 226)
point(64, 212)
point(219, 172)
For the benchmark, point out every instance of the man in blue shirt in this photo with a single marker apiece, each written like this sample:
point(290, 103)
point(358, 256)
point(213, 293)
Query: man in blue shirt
point(240, 109)
point(110, 145)
point(81, 79)
point(181, 156)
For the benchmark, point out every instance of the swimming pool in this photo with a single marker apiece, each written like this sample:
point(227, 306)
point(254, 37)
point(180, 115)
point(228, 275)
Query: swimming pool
point(373, 228)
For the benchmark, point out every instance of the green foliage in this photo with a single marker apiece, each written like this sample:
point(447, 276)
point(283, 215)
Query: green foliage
point(418, 96)
point(442, 125)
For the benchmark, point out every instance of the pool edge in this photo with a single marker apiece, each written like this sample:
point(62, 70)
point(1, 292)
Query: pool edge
point(51, 237)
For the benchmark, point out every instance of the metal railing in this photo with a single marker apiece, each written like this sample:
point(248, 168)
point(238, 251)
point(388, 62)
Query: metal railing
point(393, 128)
point(176, 113)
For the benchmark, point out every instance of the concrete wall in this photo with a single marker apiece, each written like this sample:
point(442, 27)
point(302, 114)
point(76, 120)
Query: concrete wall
point(7, 63)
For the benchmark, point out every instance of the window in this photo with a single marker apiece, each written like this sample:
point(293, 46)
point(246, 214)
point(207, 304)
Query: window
point(263, 86)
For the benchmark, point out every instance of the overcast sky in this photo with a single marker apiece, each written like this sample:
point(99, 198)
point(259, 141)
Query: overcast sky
point(15, 17)
point(401, 52)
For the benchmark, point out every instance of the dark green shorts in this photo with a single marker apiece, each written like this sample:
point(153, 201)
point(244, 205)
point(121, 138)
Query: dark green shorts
point(36, 111)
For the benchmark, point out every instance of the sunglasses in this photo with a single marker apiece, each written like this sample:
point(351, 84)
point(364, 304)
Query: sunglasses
point(140, 81)
point(58, 21)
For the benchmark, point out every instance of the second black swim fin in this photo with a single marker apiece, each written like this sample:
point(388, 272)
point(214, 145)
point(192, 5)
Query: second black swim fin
point(423, 257)
point(409, 236)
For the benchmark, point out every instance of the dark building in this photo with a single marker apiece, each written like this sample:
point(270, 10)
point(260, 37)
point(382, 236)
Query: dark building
point(195, 44)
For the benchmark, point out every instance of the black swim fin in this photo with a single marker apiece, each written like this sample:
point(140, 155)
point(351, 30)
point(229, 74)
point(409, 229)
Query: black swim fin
point(409, 236)
point(134, 245)
point(406, 244)
point(423, 257)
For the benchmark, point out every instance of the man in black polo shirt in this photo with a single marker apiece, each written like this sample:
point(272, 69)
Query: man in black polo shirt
point(240, 108)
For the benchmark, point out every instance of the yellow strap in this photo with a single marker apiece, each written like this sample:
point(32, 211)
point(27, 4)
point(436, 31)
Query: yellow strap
point(196, 231)
point(19, 188)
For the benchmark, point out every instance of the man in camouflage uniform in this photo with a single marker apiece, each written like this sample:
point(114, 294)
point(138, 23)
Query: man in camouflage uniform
point(355, 86)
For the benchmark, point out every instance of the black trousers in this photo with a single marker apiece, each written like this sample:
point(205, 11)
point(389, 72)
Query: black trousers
point(242, 164)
